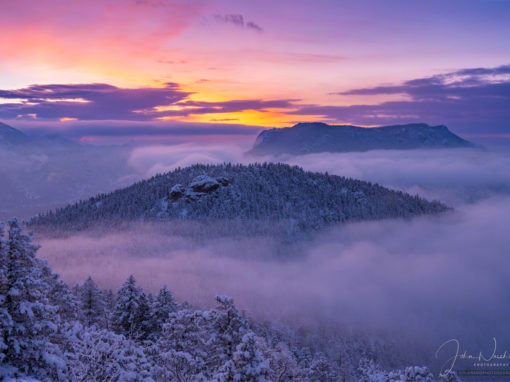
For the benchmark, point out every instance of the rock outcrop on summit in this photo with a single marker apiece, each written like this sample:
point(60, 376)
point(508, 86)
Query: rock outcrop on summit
point(200, 186)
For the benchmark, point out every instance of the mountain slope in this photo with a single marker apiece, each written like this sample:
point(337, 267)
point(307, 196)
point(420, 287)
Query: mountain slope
point(10, 136)
point(316, 137)
point(258, 192)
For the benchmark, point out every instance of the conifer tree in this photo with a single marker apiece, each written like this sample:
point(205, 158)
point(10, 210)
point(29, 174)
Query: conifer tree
point(247, 363)
point(93, 304)
point(28, 318)
point(131, 314)
point(162, 306)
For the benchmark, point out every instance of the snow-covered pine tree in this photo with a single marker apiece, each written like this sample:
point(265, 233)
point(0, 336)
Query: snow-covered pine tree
point(28, 318)
point(230, 326)
point(93, 304)
point(283, 364)
point(416, 374)
point(131, 314)
point(196, 344)
point(371, 372)
point(322, 370)
point(5, 318)
point(63, 297)
point(182, 350)
point(247, 363)
point(162, 306)
point(60, 295)
point(101, 355)
point(110, 305)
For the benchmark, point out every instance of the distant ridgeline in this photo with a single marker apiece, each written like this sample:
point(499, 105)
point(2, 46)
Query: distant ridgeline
point(257, 193)
point(305, 138)
point(11, 136)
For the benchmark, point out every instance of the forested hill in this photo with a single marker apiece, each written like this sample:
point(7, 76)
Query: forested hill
point(257, 192)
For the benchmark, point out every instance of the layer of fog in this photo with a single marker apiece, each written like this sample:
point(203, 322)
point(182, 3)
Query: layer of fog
point(36, 179)
point(454, 176)
point(426, 280)
point(429, 279)
point(151, 160)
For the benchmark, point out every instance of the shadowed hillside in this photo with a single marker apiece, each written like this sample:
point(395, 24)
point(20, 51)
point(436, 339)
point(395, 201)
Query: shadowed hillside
point(316, 137)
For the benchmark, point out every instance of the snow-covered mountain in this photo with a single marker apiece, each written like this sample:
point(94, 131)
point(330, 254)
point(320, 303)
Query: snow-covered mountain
point(316, 137)
point(258, 192)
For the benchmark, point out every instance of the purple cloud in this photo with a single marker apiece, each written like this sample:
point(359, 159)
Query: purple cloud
point(466, 83)
point(470, 100)
point(252, 25)
point(106, 102)
point(238, 20)
point(87, 101)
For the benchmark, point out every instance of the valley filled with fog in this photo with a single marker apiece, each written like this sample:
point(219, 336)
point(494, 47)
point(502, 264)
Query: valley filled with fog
point(411, 283)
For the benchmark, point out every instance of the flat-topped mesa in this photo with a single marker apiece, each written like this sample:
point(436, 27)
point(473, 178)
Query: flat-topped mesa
point(314, 137)
point(310, 124)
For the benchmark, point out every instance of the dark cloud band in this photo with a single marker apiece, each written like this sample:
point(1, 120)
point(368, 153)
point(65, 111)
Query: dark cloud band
point(470, 100)
point(106, 102)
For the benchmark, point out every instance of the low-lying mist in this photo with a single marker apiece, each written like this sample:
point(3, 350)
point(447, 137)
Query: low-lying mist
point(454, 176)
point(420, 281)
point(426, 280)
point(38, 179)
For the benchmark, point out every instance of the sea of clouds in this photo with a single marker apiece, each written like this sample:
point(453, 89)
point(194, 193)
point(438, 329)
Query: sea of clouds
point(420, 282)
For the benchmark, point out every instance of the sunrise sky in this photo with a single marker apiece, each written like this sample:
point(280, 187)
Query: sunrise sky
point(126, 67)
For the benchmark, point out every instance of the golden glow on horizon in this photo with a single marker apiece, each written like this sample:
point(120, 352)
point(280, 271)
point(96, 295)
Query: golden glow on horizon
point(140, 44)
point(112, 60)
point(267, 118)
point(139, 61)
point(68, 119)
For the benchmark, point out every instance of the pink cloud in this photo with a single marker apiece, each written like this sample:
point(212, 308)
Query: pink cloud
point(65, 32)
